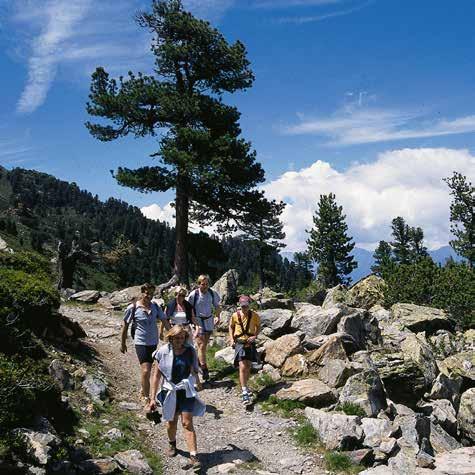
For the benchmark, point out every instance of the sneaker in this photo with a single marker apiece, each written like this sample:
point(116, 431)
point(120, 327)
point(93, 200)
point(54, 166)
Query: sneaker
point(195, 463)
point(246, 399)
point(171, 451)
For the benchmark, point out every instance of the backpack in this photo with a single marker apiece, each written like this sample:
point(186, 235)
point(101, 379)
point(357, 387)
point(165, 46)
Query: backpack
point(133, 326)
point(197, 294)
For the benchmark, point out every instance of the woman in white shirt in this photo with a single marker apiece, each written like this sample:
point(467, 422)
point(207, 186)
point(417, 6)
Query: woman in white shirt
point(180, 312)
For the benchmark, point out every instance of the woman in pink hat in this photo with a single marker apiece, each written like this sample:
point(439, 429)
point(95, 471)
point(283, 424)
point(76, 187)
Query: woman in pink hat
point(244, 327)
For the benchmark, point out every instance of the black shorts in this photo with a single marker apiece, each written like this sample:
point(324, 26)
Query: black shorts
point(245, 353)
point(144, 353)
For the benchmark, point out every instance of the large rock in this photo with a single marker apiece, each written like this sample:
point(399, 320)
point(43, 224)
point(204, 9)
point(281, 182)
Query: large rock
point(311, 392)
point(444, 344)
point(103, 466)
point(456, 462)
point(336, 295)
point(95, 387)
point(226, 355)
point(86, 296)
point(335, 373)
point(441, 412)
point(361, 327)
point(415, 347)
point(61, 375)
point(414, 429)
point(4, 246)
point(225, 318)
point(440, 440)
point(466, 415)
point(332, 349)
point(461, 364)
point(295, 366)
point(266, 304)
point(133, 462)
point(366, 390)
point(275, 322)
point(122, 298)
point(336, 431)
point(226, 287)
point(447, 387)
point(277, 351)
point(417, 318)
point(267, 293)
point(377, 430)
point(315, 321)
point(39, 445)
point(368, 292)
point(403, 378)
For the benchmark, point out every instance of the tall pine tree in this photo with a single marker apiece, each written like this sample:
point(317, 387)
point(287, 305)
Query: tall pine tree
point(382, 258)
point(462, 216)
point(329, 245)
point(401, 244)
point(201, 154)
point(264, 227)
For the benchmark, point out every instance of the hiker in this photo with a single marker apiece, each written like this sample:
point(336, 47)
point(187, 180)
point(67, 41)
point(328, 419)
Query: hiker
point(205, 302)
point(180, 312)
point(177, 371)
point(143, 315)
point(244, 327)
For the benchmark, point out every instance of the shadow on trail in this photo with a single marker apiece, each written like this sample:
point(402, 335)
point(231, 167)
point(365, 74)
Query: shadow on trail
point(229, 454)
point(214, 410)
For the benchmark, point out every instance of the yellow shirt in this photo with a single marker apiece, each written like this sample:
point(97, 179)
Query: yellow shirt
point(253, 325)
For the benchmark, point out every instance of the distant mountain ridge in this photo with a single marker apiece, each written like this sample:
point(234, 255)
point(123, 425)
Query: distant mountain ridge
point(365, 259)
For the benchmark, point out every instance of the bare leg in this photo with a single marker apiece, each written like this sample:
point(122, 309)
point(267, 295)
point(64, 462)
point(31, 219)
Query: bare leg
point(202, 342)
point(146, 370)
point(171, 429)
point(244, 372)
point(189, 430)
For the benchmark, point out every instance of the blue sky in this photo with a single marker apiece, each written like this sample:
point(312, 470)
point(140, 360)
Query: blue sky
point(373, 100)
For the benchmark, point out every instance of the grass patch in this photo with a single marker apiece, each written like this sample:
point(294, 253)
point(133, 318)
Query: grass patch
point(261, 381)
point(352, 409)
point(340, 463)
point(284, 408)
point(219, 367)
point(305, 435)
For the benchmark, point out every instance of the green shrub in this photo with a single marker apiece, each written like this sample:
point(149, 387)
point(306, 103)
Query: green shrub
point(352, 409)
point(25, 388)
point(29, 262)
point(340, 463)
point(261, 381)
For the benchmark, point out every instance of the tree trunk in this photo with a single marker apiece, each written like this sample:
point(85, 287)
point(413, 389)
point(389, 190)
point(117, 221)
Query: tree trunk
point(182, 204)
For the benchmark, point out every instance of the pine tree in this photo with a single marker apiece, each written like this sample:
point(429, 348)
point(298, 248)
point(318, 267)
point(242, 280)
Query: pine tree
point(462, 216)
point(416, 242)
point(202, 156)
point(382, 258)
point(401, 245)
point(329, 245)
point(264, 227)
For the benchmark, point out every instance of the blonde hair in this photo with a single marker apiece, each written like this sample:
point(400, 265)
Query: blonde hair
point(201, 278)
point(180, 290)
point(176, 330)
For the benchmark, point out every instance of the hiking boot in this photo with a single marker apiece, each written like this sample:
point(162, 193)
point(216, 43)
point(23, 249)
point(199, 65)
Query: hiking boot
point(205, 373)
point(171, 451)
point(195, 463)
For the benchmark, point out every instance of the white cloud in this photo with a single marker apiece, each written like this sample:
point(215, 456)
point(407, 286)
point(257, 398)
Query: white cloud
point(405, 183)
point(75, 35)
point(157, 213)
point(212, 10)
point(358, 125)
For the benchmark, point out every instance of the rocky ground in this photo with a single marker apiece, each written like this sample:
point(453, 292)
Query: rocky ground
point(230, 438)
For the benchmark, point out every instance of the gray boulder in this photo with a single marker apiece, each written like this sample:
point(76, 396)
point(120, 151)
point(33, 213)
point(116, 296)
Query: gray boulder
point(447, 387)
point(226, 287)
point(417, 318)
point(336, 431)
point(311, 392)
point(361, 327)
point(134, 462)
point(367, 292)
point(275, 322)
point(336, 295)
point(39, 445)
point(86, 296)
point(122, 298)
point(466, 415)
point(315, 321)
point(102, 466)
point(95, 388)
point(455, 462)
point(440, 440)
point(460, 364)
point(415, 348)
point(276, 303)
point(377, 430)
point(226, 355)
point(441, 412)
point(295, 366)
point(61, 375)
point(335, 373)
point(365, 389)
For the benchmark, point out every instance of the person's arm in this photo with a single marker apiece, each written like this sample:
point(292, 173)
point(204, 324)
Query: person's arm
point(162, 317)
point(231, 330)
point(217, 313)
point(155, 384)
point(123, 337)
point(194, 370)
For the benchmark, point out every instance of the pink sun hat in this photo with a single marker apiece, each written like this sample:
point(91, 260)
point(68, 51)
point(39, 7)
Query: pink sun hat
point(244, 301)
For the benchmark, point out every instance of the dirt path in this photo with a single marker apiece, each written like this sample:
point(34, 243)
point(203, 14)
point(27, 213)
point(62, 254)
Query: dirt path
point(226, 434)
